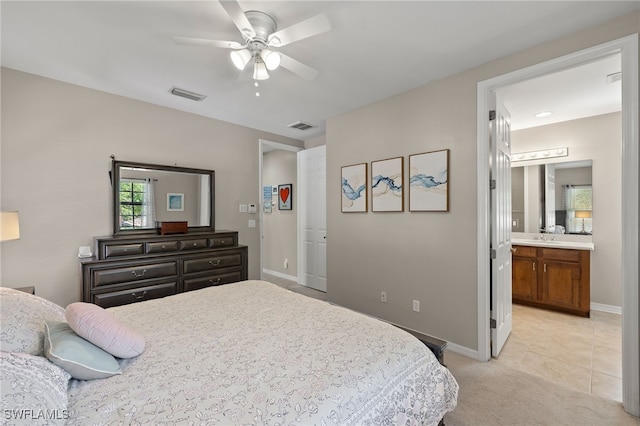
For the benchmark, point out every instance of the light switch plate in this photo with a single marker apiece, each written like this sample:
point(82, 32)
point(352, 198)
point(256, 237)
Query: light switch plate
point(243, 208)
point(252, 223)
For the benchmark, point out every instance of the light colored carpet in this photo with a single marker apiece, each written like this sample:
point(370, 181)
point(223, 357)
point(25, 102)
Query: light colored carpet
point(497, 395)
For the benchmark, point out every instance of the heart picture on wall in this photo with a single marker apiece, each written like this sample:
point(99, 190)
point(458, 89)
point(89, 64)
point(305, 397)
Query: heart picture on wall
point(285, 196)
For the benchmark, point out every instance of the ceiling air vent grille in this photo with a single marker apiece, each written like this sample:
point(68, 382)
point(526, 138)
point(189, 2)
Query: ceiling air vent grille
point(301, 126)
point(612, 78)
point(187, 94)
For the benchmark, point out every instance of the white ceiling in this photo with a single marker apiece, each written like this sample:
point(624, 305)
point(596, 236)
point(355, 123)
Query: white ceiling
point(375, 49)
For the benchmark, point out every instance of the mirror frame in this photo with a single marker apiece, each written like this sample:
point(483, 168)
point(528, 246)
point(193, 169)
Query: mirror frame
point(115, 184)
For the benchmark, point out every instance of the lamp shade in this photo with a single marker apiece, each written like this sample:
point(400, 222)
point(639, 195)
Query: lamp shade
point(583, 214)
point(240, 58)
point(271, 59)
point(9, 226)
point(260, 70)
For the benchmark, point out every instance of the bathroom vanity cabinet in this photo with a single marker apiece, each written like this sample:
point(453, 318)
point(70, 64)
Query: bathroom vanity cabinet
point(552, 278)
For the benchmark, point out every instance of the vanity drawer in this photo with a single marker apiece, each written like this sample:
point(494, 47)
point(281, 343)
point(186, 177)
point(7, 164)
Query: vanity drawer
point(524, 251)
point(102, 277)
point(115, 250)
point(228, 241)
point(209, 263)
point(561, 254)
point(162, 247)
point(209, 281)
point(193, 244)
point(124, 297)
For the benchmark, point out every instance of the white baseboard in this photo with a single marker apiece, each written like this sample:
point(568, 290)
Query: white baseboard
point(280, 275)
point(612, 309)
point(462, 350)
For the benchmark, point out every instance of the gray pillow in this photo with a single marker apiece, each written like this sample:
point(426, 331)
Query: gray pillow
point(33, 390)
point(22, 316)
point(80, 358)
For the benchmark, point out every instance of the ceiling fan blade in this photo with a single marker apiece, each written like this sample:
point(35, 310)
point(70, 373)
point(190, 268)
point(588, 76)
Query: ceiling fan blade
point(208, 43)
point(238, 17)
point(297, 67)
point(303, 29)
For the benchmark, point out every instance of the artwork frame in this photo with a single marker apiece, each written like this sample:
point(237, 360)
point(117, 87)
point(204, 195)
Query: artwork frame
point(387, 185)
point(285, 196)
point(429, 181)
point(175, 202)
point(354, 188)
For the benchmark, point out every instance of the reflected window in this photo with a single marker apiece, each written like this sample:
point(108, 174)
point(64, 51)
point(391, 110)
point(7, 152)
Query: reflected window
point(578, 204)
point(137, 205)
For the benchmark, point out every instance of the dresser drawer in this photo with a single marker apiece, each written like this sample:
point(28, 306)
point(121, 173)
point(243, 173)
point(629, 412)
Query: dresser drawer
point(228, 241)
point(212, 280)
point(193, 244)
point(124, 297)
point(116, 250)
point(102, 277)
point(162, 247)
point(214, 262)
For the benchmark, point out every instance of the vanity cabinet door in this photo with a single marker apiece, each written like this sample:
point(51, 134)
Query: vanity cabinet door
point(525, 279)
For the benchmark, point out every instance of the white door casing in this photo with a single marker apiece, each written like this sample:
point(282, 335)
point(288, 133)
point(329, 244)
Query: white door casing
point(550, 197)
point(500, 175)
point(312, 225)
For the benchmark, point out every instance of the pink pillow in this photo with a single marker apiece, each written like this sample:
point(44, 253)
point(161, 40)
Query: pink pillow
point(101, 328)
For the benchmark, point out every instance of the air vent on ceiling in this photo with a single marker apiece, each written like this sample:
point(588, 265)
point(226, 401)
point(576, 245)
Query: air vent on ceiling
point(187, 94)
point(301, 126)
point(612, 78)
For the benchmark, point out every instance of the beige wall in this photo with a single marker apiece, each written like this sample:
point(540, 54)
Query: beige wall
point(55, 156)
point(599, 139)
point(280, 226)
point(431, 257)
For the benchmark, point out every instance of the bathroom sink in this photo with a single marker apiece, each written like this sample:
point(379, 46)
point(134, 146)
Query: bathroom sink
point(578, 245)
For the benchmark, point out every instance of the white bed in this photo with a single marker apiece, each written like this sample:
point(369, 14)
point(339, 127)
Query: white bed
point(254, 353)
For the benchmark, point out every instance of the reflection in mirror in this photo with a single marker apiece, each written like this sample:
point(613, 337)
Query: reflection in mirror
point(147, 194)
point(553, 198)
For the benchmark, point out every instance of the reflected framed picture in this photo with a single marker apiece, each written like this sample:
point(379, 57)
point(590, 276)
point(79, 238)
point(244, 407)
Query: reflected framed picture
point(387, 194)
point(175, 202)
point(354, 188)
point(285, 197)
point(429, 181)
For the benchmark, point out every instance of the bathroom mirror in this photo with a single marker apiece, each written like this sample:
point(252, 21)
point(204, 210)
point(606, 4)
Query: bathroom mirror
point(552, 197)
point(146, 194)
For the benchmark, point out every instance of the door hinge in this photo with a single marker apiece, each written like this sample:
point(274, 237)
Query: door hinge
point(492, 323)
point(492, 115)
point(493, 253)
point(492, 184)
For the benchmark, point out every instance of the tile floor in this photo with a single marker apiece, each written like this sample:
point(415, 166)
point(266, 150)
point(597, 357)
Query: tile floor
point(584, 354)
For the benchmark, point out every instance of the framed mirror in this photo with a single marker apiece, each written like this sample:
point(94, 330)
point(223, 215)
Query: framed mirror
point(145, 195)
point(552, 198)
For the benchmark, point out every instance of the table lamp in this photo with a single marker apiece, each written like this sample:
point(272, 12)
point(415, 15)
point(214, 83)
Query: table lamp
point(9, 226)
point(583, 214)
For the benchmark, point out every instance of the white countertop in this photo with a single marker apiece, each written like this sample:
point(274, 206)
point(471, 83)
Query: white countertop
point(553, 244)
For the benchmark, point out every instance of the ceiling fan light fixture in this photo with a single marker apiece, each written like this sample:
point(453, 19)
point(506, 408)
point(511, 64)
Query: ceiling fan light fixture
point(260, 70)
point(240, 58)
point(271, 59)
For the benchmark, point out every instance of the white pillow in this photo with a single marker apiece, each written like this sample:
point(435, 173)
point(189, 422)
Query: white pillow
point(33, 390)
point(82, 359)
point(101, 328)
point(22, 318)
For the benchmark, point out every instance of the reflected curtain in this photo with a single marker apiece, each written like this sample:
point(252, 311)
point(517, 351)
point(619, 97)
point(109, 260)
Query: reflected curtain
point(577, 197)
point(149, 217)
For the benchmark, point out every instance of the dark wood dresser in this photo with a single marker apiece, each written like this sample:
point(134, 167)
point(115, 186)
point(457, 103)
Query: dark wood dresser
point(132, 269)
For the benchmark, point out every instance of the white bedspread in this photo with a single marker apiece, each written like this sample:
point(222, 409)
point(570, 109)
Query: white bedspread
point(254, 353)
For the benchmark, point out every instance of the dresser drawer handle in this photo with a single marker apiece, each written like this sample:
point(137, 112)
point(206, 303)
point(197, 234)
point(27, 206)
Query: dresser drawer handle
point(139, 275)
point(216, 282)
point(195, 244)
point(139, 297)
point(214, 264)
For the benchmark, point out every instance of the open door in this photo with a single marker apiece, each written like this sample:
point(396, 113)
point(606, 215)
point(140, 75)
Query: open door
point(312, 257)
point(500, 175)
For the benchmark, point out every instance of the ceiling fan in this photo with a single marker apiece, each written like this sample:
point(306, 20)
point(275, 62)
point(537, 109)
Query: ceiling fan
point(261, 38)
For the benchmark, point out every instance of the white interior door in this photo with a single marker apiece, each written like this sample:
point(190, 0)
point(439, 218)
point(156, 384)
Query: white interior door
point(500, 174)
point(312, 181)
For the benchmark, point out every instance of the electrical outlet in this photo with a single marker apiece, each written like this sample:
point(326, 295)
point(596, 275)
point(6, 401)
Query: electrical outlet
point(383, 296)
point(416, 306)
point(286, 264)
